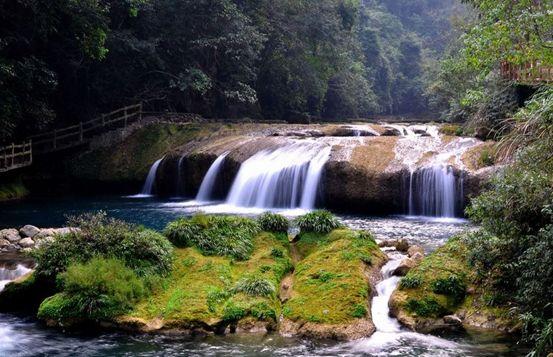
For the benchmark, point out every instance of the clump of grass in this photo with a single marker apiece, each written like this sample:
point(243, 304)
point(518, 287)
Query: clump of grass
point(272, 222)
point(425, 307)
point(410, 282)
point(254, 285)
point(215, 235)
point(97, 290)
point(486, 158)
point(320, 221)
point(359, 311)
point(145, 251)
point(277, 253)
point(452, 286)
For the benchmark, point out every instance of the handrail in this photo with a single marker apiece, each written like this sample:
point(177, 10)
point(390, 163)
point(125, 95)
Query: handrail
point(15, 156)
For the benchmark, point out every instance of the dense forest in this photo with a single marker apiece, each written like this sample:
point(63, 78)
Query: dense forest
point(63, 61)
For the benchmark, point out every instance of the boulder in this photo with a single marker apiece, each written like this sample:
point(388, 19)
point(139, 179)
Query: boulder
point(402, 245)
point(404, 267)
point(453, 320)
point(417, 257)
point(415, 249)
point(27, 242)
point(11, 235)
point(29, 231)
point(45, 232)
point(4, 243)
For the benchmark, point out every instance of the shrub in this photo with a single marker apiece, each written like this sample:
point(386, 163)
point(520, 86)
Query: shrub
point(277, 253)
point(272, 222)
point(143, 250)
point(97, 290)
point(452, 286)
point(321, 222)
point(215, 235)
point(410, 282)
point(255, 286)
point(426, 307)
point(486, 158)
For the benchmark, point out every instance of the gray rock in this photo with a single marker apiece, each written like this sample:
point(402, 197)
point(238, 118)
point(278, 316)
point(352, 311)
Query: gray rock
point(29, 231)
point(27, 242)
point(66, 230)
point(404, 267)
point(402, 245)
point(45, 232)
point(4, 243)
point(415, 249)
point(10, 234)
point(453, 320)
point(417, 257)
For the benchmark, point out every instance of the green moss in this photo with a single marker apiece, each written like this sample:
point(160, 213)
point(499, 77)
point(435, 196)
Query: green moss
point(425, 307)
point(131, 159)
point(207, 290)
point(326, 288)
point(25, 294)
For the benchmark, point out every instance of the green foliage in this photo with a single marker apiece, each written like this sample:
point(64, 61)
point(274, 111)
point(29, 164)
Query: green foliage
point(254, 285)
point(486, 158)
point(143, 250)
point(215, 235)
point(320, 221)
point(452, 286)
point(410, 282)
point(425, 307)
point(12, 191)
point(277, 253)
point(97, 290)
point(359, 311)
point(272, 222)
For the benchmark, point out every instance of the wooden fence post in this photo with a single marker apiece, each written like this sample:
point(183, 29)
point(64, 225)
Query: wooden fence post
point(13, 152)
point(55, 137)
point(103, 120)
point(81, 131)
point(140, 112)
point(125, 115)
point(30, 151)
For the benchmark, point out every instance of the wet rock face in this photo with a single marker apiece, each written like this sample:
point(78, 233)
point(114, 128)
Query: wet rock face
point(351, 189)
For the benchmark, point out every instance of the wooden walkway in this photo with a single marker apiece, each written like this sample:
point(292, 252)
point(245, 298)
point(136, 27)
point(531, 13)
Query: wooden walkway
point(15, 156)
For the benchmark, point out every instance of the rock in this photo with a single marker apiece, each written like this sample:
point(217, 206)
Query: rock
point(43, 241)
point(11, 235)
point(415, 249)
point(417, 257)
point(66, 230)
point(27, 242)
point(453, 320)
point(29, 231)
point(402, 245)
point(387, 243)
point(4, 243)
point(404, 267)
point(45, 232)
point(390, 132)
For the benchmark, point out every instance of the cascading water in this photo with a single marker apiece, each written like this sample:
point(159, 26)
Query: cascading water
point(148, 188)
point(7, 275)
point(287, 177)
point(206, 190)
point(180, 178)
point(433, 191)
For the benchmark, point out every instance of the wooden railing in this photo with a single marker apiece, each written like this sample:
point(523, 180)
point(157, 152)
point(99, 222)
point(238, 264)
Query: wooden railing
point(15, 156)
point(532, 72)
point(75, 135)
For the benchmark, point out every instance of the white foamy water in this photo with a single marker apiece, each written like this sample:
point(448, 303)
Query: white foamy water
point(205, 193)
point(148, 188)
point(287, 177)
point(7, 275)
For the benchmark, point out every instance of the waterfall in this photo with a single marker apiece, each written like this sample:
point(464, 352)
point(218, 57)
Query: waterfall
point(379, 310)
point(147, 189)
point(180, 178)
point(433, 191)
point(287, 177)
point(7, 275)
point(206, 190)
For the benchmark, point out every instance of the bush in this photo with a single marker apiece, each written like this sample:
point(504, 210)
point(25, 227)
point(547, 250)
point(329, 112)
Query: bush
point(97, 290)
point(452, 286)
point(215, 235)
point(143, 250)
point(426, 307)
point(255, 286)
point(272, 222)
point(410, 282)
point(321, 222)
point(359, 311)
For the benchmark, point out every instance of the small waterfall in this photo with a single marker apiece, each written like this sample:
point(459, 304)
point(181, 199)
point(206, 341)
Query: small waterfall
point(287, 177)
point(433, 191)
point(180, 178)
point(7, 275)
point(379, 310)
point(205, 192)
point(148, 188)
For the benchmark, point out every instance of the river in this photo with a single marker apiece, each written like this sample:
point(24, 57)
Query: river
point(23, 336)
